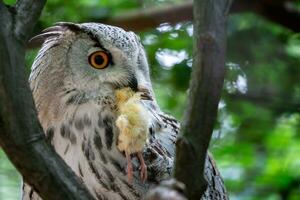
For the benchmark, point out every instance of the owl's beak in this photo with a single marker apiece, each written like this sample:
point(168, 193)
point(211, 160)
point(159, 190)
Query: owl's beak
point(133, 83)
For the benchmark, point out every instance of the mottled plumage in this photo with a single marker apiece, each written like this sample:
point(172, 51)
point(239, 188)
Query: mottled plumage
point(77, 109)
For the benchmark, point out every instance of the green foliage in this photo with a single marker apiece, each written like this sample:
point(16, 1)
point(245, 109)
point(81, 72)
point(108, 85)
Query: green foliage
point(10, 2)
point(10, 181)
point(256, 141)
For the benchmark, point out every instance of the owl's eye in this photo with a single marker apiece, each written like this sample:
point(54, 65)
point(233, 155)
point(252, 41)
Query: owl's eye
point(99, 59)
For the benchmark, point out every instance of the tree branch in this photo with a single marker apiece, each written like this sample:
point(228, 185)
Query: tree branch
point(143, 19)
point(26, 16)
point(140, 20)
point(205, 90)
point(21, 135)
point(278, 11)
point(283, 12)
point(169, 189)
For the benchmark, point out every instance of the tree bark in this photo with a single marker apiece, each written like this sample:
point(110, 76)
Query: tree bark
point(205, 89)
point(21, 135)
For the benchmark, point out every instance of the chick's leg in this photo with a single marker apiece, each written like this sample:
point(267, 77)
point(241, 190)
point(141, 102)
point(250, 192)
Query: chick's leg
point(143, 166)
point(129, 166)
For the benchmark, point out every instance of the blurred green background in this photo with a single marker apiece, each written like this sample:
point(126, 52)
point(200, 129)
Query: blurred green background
point(256, 141)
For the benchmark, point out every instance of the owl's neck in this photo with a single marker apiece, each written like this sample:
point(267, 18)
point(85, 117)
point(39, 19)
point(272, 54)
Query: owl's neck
point(53, 105)
point(74, 96)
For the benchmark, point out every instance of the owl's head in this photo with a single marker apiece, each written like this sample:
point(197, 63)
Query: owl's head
point(90, 58)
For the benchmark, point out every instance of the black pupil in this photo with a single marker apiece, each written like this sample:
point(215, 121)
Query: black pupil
point(99, 60)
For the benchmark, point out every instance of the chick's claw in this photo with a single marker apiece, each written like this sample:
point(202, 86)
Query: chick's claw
point(129, 172)
point(143, 167)
point(143, 172)
point(129, 168)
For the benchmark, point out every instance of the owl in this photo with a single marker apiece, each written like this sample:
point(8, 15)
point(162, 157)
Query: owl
point(73, 80)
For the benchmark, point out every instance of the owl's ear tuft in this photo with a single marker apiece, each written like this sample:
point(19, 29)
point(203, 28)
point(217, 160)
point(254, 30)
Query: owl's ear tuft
point(69, 25)
point(53, 31)
point(40, 38)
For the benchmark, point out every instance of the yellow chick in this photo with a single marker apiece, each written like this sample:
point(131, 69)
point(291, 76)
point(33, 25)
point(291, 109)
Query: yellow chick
point(133, 123)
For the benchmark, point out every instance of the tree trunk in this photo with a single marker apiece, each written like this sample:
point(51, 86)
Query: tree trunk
point(21, 135)
point(206, 84)
point(193, 166)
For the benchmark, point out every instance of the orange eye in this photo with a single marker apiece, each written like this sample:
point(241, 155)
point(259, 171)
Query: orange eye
point(99, 59)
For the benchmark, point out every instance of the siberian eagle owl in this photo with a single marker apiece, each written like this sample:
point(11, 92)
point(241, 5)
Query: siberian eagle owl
point(73, 80)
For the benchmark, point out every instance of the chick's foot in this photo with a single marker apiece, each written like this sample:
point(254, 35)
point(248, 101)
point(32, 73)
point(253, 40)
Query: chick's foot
point(143, 166)
point(129, 167)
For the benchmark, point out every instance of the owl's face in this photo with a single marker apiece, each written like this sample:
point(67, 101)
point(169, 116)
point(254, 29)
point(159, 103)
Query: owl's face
point(95, 56)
